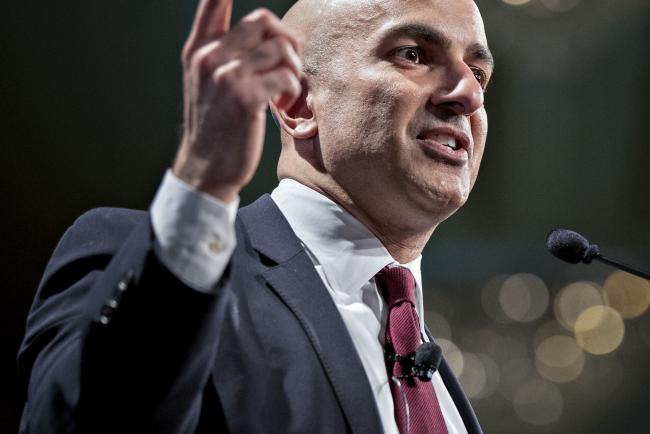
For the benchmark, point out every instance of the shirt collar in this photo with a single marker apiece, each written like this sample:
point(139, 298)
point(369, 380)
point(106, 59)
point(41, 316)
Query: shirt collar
point(349, 254)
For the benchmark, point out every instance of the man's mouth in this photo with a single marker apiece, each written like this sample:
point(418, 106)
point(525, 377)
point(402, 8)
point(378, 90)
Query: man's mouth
point(446, 140)
point(446, 143)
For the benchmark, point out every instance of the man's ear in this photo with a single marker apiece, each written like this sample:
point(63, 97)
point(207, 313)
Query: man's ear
point(299, 120)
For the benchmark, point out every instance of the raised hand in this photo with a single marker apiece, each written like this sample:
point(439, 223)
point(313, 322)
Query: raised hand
point(229, 76)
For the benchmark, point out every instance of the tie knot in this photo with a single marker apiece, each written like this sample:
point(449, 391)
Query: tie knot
point(397, 284)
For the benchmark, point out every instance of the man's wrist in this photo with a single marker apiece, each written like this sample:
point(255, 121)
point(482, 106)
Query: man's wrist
point(194, 175)
point(194, 232)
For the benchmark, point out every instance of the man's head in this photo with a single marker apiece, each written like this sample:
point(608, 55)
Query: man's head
point(388, 84)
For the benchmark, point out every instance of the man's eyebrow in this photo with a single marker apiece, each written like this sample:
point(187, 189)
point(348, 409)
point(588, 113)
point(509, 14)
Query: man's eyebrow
point(419, 31)
point(479, 51)
point(429, 34)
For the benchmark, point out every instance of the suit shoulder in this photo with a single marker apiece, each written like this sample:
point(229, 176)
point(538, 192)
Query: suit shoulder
point(110, 218)
point(103, 225)
point(97, 232)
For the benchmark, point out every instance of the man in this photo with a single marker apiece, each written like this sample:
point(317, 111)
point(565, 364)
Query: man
point(188, 319)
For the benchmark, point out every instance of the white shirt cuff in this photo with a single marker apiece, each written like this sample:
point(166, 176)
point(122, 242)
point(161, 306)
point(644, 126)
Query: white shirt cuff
point(194, 233)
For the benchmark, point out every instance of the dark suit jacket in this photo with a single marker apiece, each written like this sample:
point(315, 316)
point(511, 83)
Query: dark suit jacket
point(115, 343)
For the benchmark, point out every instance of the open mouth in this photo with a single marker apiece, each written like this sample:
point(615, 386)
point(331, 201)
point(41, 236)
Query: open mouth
point(445, 144)
point(444, 139)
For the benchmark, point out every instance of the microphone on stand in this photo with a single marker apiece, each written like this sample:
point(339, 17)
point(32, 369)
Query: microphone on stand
point(572, 247)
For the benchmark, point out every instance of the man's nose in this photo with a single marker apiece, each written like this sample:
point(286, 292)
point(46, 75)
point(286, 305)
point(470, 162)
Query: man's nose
point(458, 92)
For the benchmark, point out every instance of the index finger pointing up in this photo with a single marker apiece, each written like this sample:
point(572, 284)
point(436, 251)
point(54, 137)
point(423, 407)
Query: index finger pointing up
point(212, 20)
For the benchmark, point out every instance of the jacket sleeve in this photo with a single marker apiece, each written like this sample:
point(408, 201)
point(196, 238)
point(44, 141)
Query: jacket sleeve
point(114, 340)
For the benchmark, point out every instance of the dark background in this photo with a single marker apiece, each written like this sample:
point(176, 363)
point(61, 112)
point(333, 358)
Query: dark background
point(90, 105)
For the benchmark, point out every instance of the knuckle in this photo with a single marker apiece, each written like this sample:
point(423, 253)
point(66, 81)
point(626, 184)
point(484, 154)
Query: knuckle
point(198, 63)
point(204, 59)
point(276, 45)
point(228, 75)
point(262, 15)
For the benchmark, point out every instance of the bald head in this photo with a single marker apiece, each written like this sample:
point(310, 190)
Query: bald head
point(325, 24)
point(305, 18)
point(391, 122)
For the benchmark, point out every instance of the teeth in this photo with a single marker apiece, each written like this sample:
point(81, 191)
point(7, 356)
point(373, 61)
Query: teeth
point(446, 140)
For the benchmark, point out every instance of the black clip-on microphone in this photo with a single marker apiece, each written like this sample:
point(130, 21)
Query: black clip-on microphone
point(421, 365)
point(572, 247)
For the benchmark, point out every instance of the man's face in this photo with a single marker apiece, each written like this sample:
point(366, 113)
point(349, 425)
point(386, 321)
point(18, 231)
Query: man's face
point(399, 104)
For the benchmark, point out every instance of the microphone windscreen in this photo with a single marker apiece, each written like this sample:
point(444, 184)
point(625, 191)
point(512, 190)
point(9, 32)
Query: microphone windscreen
point(567, 245)
point(428, 354)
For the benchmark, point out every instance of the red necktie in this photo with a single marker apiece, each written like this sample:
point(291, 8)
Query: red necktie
point(403, 338)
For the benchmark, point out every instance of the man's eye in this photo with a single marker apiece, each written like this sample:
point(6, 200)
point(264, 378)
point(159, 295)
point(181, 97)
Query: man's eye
point(410, 54)
point(480, 76)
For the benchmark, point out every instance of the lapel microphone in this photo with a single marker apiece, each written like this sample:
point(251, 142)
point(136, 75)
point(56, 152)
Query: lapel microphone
point(572, 247)
point(421, 365)
point(427, 360)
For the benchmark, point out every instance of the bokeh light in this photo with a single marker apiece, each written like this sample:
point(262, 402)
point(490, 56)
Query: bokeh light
point(523, 297)
point(452, 355)
point(573, 299)
point(474, 375)
point(546, 330)
point(516, 2)
point(559, 359)
point(493, 377)
point(599, 330)
point(490, 299)
point(538, 402)
point(628, 294)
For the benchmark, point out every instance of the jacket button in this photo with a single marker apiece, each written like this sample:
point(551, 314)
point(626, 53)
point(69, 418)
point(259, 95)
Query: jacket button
point(107, 311)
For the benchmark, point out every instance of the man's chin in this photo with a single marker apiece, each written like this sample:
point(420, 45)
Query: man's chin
point(444, 202)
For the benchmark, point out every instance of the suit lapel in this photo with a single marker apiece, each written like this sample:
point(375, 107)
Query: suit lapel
point(295, 280)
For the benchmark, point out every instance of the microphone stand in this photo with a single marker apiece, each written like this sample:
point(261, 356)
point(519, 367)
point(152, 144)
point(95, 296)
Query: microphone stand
point(621, 266)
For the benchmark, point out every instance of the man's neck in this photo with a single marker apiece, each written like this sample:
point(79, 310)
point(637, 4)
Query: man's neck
point(403, 243)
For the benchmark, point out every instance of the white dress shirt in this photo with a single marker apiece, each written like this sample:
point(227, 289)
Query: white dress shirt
point(345, 253)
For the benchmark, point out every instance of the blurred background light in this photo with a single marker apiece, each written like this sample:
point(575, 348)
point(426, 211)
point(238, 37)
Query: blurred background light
point(489, 342)
point(599, 330)
point(523, 297)
point(546, 330)
point(493, 377)
point(573, 299)
point(490, 299)
point(559, 359)
point(516, 2)
point(628, 294)
point(538, 402)
point(474, 377)
point(453, 356)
